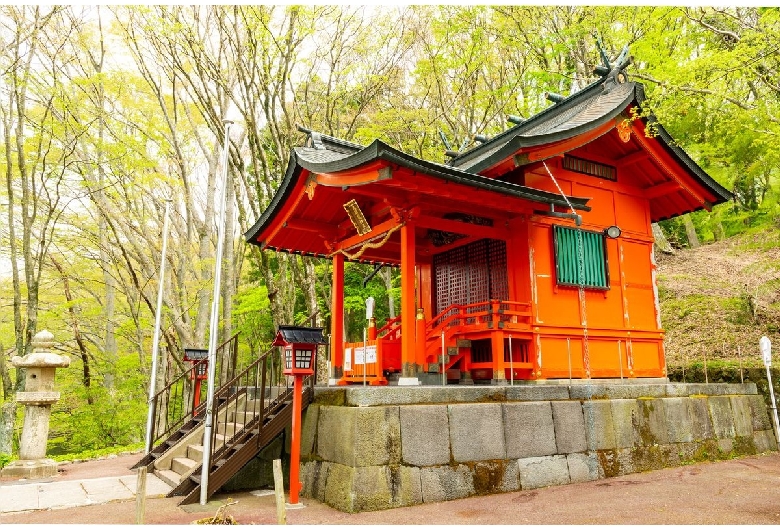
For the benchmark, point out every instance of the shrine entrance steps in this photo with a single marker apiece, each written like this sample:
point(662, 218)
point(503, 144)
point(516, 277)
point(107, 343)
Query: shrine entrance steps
point(248, 414)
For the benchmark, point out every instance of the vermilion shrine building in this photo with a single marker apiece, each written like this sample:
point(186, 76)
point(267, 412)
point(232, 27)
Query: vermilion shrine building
point(506, 244)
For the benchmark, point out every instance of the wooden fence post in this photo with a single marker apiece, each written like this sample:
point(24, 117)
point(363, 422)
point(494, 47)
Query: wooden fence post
point(140, 495)
point(281, 512)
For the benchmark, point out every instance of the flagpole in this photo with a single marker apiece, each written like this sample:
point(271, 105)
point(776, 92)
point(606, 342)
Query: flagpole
point(214, 328)
point(156, 340)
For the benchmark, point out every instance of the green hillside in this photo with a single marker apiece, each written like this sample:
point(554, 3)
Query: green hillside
point(717, 300)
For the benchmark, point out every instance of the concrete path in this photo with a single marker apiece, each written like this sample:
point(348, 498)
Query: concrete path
point(27, 495)
point(744, 491)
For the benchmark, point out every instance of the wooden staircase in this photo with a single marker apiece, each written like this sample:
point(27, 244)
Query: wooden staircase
point(248, 415)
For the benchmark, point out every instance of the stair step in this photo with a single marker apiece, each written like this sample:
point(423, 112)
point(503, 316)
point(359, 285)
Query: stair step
point(195, 452)
point(219, 439)
point(183, 465)
point(254, 404)
point(230, 429)
point(244, 416)
point(168, 476)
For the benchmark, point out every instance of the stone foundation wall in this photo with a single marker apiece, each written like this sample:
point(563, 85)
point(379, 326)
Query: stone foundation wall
point(375, 448)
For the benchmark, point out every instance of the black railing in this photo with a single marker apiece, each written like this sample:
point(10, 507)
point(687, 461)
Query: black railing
point(174, 405)
point(249, 410)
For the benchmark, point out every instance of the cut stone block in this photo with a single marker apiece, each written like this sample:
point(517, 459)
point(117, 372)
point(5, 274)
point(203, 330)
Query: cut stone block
point(425, 439)
point(529, 429)
point(476, 432)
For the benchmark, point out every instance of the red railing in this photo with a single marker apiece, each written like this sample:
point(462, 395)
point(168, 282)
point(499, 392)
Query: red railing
point(458, 320)
point(391, 330)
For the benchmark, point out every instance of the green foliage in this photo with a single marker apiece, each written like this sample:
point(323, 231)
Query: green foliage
point(92, 454)
point(115, 416)
point(5, 460)
point(252, 314)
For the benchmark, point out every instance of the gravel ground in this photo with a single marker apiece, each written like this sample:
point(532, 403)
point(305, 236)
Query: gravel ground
point(740, 491)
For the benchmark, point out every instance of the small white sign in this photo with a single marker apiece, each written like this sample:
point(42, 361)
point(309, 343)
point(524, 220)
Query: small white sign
point(371, 354)
point(348, 360)
point(766, 350)
point(359, 356)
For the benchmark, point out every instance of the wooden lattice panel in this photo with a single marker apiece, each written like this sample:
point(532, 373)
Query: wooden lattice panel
point(470, 274)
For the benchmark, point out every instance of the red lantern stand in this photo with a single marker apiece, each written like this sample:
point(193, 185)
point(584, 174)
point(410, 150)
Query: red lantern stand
point(300, 351)
point(200, 370)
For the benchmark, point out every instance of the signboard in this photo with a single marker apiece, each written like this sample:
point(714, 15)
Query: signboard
point(348, 360)
point(371, 354)
point(766, 350)
point(359, 356)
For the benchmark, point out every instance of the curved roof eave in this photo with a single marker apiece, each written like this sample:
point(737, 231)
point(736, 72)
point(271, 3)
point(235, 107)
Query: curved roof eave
point(680, 155)
point(520, 139)
point(282, 193)
point(379, 150)
point(543, 115)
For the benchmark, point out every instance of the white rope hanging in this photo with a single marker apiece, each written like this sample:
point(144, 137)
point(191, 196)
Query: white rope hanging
point(581, 258)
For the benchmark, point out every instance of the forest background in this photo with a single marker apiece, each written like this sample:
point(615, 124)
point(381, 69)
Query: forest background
point(108, 111)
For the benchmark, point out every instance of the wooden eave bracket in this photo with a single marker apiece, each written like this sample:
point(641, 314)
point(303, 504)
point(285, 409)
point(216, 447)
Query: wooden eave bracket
point(674, 175)
point(356, 177)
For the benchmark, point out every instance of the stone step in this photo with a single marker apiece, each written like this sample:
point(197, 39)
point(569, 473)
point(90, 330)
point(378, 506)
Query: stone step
point(168, 476)
point(183, 465)
point(254, 404)
point(244, 416)
point(230, 429)
point(195, 452)
point(219, 439)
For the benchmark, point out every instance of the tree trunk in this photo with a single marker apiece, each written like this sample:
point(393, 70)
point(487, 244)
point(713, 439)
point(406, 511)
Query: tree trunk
point(86, 378)
point(661, 243)
point(690, 232)
point(387, 276)
point(228, 286)
point(7, 417)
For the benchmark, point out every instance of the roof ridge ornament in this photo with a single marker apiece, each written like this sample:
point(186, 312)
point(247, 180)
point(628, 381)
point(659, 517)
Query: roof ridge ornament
point(314, 140)
point(616, 75)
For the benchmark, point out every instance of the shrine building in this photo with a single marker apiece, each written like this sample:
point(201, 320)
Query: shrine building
point(526, 257)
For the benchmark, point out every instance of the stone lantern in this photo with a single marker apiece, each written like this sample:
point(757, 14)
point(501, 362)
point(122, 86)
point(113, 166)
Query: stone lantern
point(38, 397)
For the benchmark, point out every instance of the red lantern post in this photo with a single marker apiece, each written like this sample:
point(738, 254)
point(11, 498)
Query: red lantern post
point(200, 370)
point(300, 352)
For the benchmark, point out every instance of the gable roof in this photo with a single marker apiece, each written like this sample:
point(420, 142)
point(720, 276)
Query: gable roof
point(673, 183)
point(602, 101)
point(332, 155)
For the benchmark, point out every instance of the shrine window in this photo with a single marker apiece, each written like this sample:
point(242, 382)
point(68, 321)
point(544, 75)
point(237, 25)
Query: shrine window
point(588, 167)
point(580, 258)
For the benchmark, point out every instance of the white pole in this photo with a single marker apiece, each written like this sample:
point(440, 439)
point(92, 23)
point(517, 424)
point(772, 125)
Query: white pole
point(443, 371)
point(156, 340)
point(765, 345)
point(511, 368)
point(774, 406)
point(214, 327)
point(365, 357)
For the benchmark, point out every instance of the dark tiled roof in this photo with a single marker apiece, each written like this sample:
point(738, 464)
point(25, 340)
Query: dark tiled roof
point(591, 107)
point(299, 334)
point(324, 160)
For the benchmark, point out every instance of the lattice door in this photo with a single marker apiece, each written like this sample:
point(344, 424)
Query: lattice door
point(470, 274)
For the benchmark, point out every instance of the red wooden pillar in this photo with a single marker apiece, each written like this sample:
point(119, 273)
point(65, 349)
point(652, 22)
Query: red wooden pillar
point(499, 366)
point(408, 304)
point(337, 317)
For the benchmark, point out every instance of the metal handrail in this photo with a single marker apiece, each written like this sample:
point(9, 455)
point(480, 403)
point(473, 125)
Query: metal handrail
point(171, 410)
point(236, 421)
